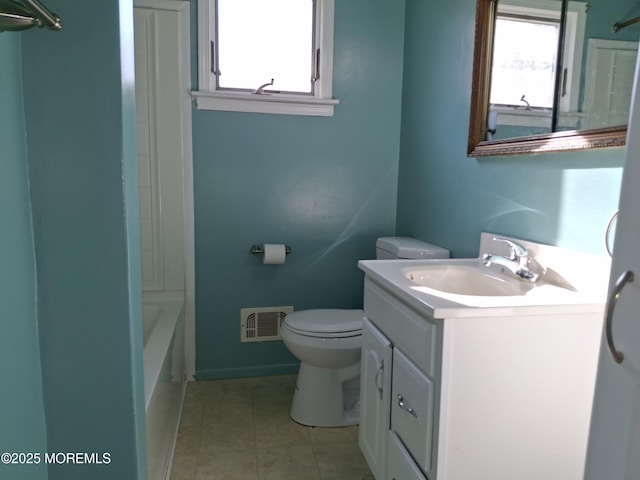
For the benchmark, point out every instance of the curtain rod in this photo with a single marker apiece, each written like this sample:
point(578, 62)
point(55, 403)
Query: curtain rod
point(23, 14)
point(620, 25)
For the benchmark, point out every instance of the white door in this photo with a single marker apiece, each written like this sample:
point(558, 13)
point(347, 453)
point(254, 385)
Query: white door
point(614, 442)
point(608, 82)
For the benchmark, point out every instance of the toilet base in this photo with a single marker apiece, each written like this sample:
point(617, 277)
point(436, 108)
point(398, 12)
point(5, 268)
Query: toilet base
point(327, 397)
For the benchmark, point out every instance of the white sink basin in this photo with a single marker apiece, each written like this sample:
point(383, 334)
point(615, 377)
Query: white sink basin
point(568, 281)
point(461, 279)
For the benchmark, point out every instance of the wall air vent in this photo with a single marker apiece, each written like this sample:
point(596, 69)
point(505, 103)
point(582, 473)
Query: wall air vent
point(262, 324)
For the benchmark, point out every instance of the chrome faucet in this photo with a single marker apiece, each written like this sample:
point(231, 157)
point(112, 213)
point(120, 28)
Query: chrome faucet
point(517, 262)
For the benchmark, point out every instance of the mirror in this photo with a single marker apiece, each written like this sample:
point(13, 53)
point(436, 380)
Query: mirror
point(552, 75)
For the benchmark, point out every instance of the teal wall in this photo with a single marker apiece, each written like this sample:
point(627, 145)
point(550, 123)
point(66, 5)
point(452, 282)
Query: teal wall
point(79, 106)
point(448, 199)
point(22, 423)
point(328, 187)
point(601, 17)
point(325, 186)
point(603, 14)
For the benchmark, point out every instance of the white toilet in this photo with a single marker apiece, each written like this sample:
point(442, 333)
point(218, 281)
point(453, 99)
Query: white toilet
point(327, 343)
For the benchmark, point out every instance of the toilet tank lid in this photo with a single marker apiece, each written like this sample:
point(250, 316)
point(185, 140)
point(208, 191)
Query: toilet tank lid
point(406, 247)
point(329, 320)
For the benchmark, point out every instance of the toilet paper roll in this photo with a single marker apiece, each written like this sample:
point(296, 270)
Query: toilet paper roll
point(274, 254)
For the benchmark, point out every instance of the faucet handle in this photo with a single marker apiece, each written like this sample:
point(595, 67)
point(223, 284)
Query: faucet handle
point(516, 251)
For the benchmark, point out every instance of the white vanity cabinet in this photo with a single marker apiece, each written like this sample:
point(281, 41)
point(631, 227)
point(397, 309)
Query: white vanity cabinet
point(397, 389)
point(457, 393)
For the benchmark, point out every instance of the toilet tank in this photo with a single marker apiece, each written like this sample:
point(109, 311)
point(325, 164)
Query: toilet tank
point(406, 247)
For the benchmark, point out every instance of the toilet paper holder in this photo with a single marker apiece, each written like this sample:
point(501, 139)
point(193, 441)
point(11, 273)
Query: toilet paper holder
point(257, 249)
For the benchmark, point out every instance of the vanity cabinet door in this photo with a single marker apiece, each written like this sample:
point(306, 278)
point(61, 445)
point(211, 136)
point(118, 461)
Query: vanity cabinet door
point(412, 409)
point(375, 389)
point(400, 465)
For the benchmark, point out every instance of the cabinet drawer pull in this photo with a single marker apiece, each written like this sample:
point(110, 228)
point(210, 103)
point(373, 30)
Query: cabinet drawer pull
point(377, 378)
point(405, 408)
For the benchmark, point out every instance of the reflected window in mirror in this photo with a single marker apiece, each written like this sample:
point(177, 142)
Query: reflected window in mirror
point(523, 71)
point(588, 78)
point(525, 68)
point(524, 62)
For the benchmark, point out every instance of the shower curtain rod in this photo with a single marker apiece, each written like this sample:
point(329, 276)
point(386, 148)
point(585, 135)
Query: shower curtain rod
point(23, 14)
point(620, 25)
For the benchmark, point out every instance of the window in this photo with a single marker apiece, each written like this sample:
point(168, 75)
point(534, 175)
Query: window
point(266, 56)
point(525, 62)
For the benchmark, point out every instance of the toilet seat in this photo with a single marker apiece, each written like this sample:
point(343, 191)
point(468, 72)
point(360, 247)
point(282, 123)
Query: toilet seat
point(325, 323)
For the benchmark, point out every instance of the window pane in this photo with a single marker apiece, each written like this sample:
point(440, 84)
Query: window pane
point(524, 62)
point(259, 40)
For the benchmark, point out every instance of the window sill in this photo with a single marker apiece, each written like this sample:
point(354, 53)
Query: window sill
point(280, 104)
point(533, 118)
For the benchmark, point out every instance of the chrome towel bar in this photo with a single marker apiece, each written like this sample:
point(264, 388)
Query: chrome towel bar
point(620, 25)
point(22, 14)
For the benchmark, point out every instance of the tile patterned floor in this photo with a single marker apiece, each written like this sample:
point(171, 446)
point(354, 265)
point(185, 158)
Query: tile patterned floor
point(240, 430)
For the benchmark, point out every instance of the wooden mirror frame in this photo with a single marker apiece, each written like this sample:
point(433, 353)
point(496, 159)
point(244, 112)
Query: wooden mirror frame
point(544, 143)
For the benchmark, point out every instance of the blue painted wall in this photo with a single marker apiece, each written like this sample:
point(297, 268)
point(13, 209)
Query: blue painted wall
point(22, 423)
point(325, 186)
point(80, 123)
point(448, 199)
point(602, 15)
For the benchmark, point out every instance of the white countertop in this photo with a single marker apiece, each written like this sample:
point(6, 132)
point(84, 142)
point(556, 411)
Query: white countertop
point(588, 273)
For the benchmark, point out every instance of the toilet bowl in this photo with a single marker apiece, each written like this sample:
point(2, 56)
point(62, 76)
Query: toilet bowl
point(327, 342)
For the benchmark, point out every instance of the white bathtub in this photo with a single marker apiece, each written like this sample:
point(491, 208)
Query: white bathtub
point(164, 383)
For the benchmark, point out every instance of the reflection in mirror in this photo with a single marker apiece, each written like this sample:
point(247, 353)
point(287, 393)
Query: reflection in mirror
point(608, 76)
point(523, 70)
point(551, 75)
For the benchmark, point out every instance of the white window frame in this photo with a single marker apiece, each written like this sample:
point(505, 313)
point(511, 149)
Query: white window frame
point(576, 18)
point(320, 103)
